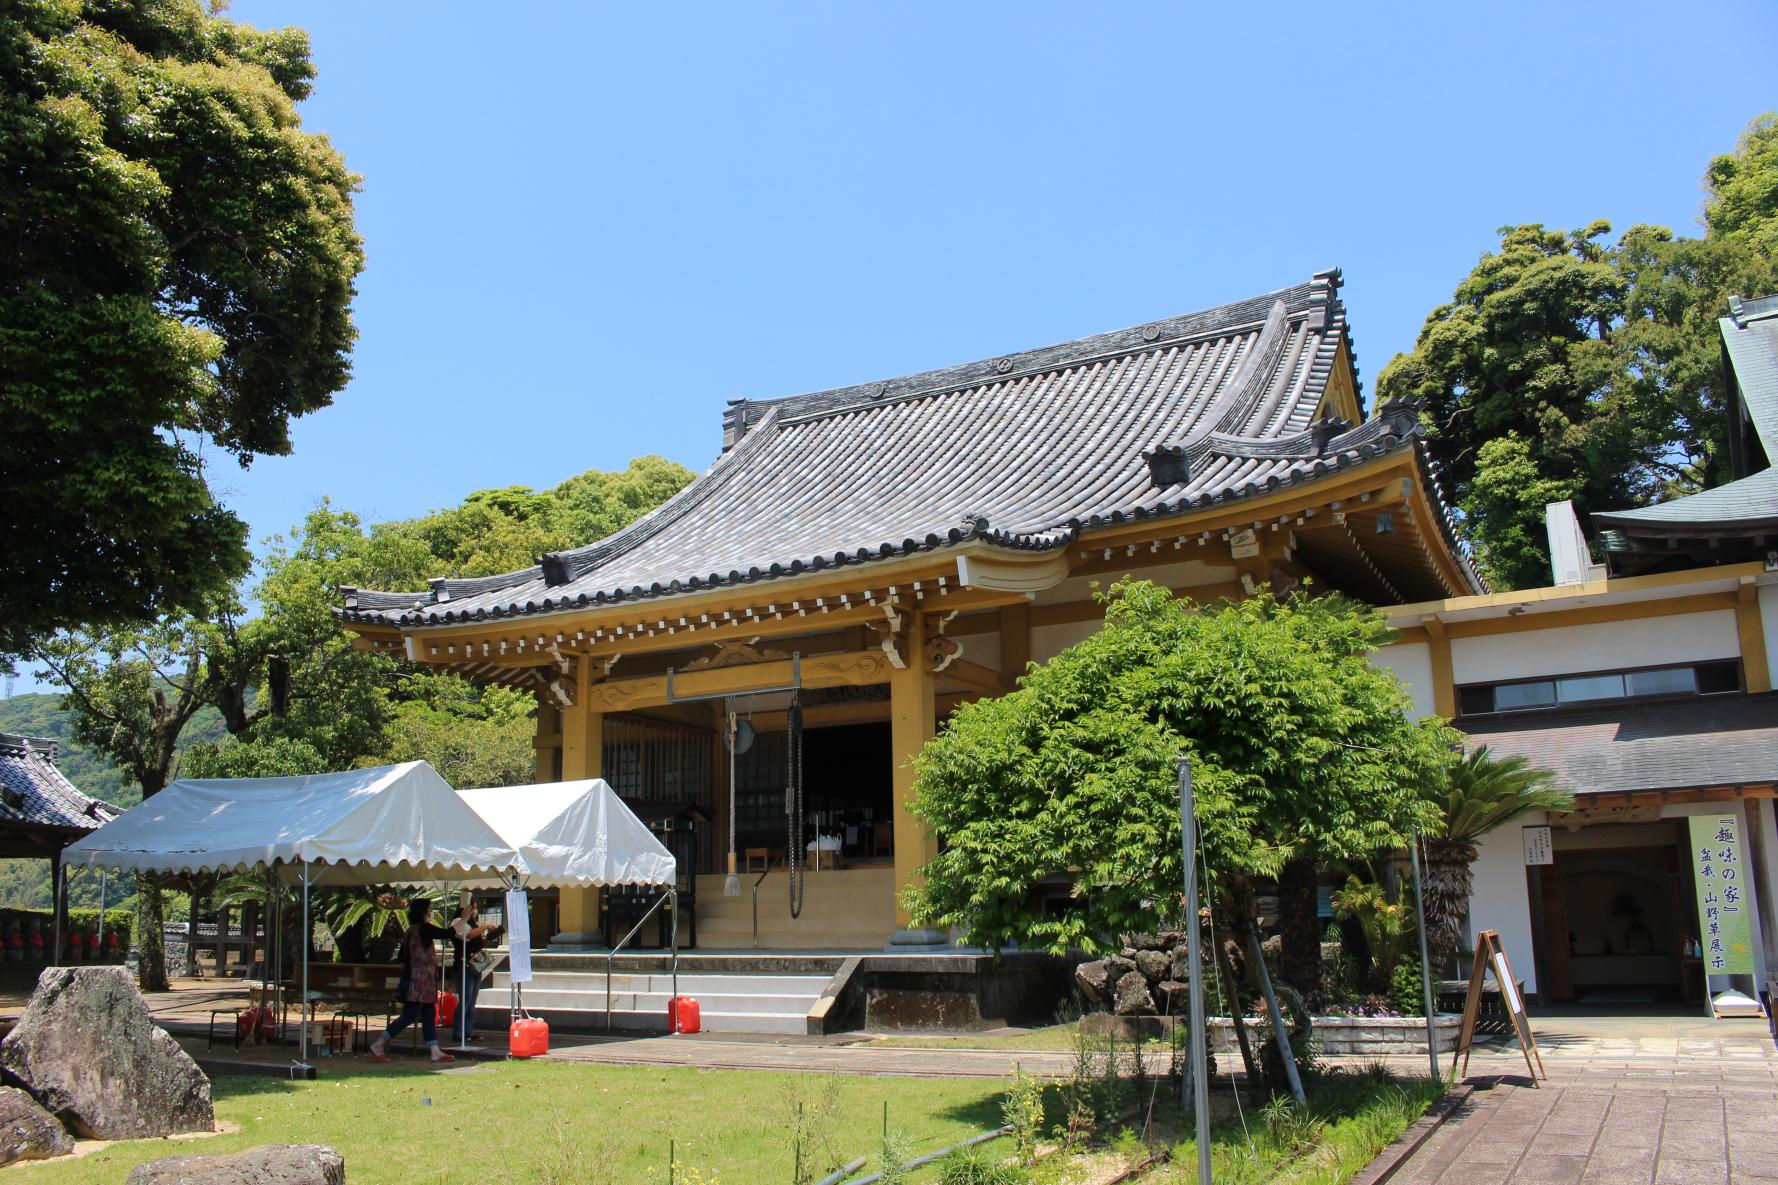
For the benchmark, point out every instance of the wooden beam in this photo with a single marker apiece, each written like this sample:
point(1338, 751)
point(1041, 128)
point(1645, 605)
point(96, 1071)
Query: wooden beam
point(852, 669)
point(1015, 639)
point(974, 676)
point(1488, 627)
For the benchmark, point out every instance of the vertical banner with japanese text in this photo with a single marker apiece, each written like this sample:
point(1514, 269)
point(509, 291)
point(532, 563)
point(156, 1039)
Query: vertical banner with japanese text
point(1725, 895)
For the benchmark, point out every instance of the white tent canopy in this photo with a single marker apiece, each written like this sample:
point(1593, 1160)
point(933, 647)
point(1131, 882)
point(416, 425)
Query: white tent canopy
point(573, 833)
point(394, 823)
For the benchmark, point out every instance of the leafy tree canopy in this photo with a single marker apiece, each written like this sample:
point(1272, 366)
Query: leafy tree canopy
point(177, 261)
point(1571, 365)
point(1301, 749)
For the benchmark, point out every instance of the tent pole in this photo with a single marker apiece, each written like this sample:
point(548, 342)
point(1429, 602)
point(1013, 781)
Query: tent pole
point(303, 1009)
point(674, 906)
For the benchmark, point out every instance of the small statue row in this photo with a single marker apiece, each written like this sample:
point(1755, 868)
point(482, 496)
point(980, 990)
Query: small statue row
point(33, 941)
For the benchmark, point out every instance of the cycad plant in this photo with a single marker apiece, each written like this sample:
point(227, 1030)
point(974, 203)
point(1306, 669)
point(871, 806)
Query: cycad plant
point(1479, 794)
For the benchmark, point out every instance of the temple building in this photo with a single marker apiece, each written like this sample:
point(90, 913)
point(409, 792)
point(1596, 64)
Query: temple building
point(1645, 684)
point(858, 562)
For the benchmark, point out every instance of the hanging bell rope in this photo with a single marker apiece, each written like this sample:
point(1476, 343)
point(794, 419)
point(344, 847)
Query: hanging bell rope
point(793, 803)
point(732, 886)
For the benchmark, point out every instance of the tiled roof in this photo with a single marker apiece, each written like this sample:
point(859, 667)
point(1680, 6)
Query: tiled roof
point(1023, 452)
point(1750, 339)
point(1625, 748)
point(33, 792)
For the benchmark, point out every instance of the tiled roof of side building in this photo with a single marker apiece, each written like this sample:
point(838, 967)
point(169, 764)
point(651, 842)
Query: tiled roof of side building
point(1627, 748)
point(1750, 339)
point(35, 793)
point(1023, 451)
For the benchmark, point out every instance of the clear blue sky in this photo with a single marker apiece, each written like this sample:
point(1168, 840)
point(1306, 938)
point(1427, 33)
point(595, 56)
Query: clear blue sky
point(589, 225)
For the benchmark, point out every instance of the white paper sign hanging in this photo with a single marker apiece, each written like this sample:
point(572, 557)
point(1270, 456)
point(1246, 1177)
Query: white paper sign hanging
point(1538, 848)
point(518, 936)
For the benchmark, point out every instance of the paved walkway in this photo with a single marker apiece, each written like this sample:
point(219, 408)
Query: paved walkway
point(1684, 1121)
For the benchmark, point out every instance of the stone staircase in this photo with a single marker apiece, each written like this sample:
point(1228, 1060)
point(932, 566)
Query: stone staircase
point(846, 909)
point(735, 993)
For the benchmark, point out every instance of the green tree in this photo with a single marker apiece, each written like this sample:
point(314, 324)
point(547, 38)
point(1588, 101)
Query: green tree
point(132, 694)
point(1301, 749)
point(1568, 365)
point(1477, 795)
point(177, 261)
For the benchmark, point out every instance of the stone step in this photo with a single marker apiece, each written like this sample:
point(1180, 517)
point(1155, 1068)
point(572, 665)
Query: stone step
point(594, 1001)
point(799, 985)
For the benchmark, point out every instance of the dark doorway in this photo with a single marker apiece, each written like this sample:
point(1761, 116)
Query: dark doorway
point(848, 786)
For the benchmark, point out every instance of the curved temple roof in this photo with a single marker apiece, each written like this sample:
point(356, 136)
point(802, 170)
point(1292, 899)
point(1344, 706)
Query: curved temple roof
point(1750, 503)
point(1022, 452)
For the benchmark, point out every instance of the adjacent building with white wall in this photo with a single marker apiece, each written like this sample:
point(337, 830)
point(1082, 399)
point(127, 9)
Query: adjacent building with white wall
point(1647, 688)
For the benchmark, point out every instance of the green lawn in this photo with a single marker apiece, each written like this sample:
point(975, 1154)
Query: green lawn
point(557, 1123)
point(1051, 1038)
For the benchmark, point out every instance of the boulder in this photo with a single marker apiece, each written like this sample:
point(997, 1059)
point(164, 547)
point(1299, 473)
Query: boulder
point(27, 1131)
point(1117, 967)
point(1153, 964)
point(1174, 997)
point(1094, 982)
point(95, 1059)
point(1133, 998)
point(272, 1164)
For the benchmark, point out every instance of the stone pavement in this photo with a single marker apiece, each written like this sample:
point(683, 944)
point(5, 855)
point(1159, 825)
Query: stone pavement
point(1683, 1121)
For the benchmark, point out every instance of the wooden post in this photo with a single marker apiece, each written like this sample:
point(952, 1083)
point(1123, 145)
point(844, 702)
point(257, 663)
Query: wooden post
point(583, 756)
point(913, 722)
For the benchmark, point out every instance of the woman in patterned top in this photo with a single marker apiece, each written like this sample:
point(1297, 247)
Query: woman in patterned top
point(419, 983)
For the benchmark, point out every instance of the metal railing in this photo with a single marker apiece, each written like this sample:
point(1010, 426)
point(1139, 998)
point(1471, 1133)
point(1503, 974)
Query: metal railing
point(756, 884)
point(671, 895)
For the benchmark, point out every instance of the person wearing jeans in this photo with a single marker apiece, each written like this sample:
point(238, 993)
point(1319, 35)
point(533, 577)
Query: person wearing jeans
point(419, 983)
point(468, 939)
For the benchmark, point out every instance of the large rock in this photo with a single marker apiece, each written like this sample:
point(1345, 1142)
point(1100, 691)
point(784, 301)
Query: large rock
point(93, 1056)
point(1117, 967)
point(273, 1164)
point(1153, 964)
point(1175, 997)
point(1094, 981)
point(27, 1131)
point(1133, 998)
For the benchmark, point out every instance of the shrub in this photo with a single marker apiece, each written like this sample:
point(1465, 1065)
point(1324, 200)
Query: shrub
point(1406, 989)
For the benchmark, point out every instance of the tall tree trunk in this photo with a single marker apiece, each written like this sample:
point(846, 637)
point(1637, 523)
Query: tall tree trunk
point(1299, 961)
point(151, 975)
point(1235, 993)
point(1446, 888)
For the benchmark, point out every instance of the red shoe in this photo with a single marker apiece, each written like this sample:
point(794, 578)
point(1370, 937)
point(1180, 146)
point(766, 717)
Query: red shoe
point(439, 1055)
point(377, 1052)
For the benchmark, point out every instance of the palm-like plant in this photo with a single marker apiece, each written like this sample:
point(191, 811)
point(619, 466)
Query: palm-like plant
point(1479, 793)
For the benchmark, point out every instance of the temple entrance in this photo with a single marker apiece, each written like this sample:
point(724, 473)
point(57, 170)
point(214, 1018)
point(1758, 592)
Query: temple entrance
point(847, 796)
point(1618, 919)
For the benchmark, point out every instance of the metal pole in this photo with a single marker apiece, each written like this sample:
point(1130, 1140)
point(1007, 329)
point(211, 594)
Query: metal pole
point(1425, 962)
point(1279, 1036)
point(303, 1004)
point(102, 912)
point(674, 939)
point(1195, 1075)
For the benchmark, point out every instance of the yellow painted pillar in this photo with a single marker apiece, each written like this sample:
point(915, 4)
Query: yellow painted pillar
point(913, 722)
point(1444, 683)
point(548, 743)
point(583, 756)
point(1753, 637)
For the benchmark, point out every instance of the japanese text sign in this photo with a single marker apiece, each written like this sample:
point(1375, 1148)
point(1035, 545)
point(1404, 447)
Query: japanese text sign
point(1725, 894)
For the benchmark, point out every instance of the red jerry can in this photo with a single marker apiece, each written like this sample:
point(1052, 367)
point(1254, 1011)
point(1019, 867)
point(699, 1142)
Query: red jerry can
point(683, 1014)
point(529, 1037)
point(447, 1007)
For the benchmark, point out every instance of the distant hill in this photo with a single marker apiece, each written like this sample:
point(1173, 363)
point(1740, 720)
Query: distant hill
point(26, 882)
